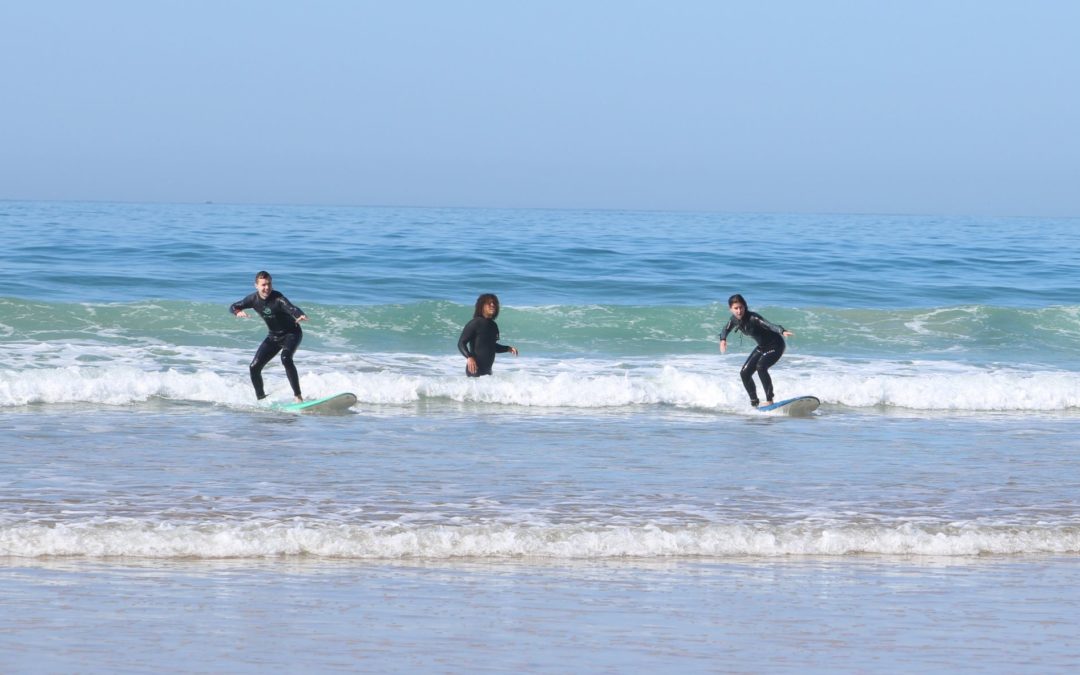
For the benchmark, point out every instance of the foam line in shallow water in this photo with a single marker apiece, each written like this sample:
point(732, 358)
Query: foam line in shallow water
point(169, 540)
point(695, 383)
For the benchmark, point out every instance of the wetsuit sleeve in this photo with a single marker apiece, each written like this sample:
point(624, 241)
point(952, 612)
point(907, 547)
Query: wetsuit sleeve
point(465, 342)
point(246, 303)
point(293, 311)
point(499, 349)
point(761, 321)
point(727, 328)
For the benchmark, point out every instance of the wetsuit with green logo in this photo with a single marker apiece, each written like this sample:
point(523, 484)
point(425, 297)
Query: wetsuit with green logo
point(284, 336)
point(770, 347)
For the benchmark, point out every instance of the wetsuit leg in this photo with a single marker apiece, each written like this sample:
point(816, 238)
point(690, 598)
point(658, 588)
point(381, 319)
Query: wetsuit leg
point(267, 350)
point(768, 360)
point(747, 374)
point(288, 348)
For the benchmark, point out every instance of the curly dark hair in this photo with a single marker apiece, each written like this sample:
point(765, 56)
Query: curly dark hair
point(483, 300)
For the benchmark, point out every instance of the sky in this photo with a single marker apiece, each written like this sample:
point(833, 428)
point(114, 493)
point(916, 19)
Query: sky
point(924, 106)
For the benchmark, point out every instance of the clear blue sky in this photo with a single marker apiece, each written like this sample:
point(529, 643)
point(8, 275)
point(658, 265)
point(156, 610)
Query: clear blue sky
point(920, 106)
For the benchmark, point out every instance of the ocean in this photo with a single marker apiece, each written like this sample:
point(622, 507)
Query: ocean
point(607, 501)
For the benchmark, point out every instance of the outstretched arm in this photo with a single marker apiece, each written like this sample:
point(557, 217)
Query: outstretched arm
point(238, 307)
point(294, 311)
point(724, 333)
point(774, 327)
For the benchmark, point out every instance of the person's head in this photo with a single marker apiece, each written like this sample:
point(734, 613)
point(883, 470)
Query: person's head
point(737, 305)
point(264, 284)
point(487, 306)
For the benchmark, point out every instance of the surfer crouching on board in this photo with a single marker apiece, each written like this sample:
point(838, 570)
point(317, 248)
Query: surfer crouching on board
point(770, 346)
point(283, 323)
point(479, 341)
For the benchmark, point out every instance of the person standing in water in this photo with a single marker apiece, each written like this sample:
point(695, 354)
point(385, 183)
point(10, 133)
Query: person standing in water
point(770, 346)
point(479, 341)
point(283, 323)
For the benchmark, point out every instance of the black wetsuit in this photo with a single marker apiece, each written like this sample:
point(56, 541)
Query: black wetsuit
point(770, 347)
point(480, 340)
point(284, 336)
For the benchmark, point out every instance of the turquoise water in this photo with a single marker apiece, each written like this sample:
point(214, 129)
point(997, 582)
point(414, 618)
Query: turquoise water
point(606, 500)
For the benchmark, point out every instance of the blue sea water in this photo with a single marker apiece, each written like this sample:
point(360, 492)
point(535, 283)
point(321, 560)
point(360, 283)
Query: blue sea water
point(607, 500)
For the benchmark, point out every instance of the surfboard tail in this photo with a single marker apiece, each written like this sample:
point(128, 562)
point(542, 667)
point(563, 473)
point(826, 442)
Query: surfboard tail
point(800, 406)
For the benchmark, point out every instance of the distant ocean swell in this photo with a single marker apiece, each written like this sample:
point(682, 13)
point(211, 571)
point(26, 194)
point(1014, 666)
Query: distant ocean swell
point(125, 537)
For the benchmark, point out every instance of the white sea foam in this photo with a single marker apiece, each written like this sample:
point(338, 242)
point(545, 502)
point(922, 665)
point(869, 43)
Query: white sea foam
point(129, 537)
point(120, 376)
point(112, 375)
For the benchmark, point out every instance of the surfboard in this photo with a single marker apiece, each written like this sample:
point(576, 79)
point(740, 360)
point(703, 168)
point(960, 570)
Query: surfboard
point(338, 403)
point(798, 406)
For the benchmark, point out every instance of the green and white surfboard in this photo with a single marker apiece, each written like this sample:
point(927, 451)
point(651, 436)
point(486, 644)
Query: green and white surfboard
point(338, 403)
